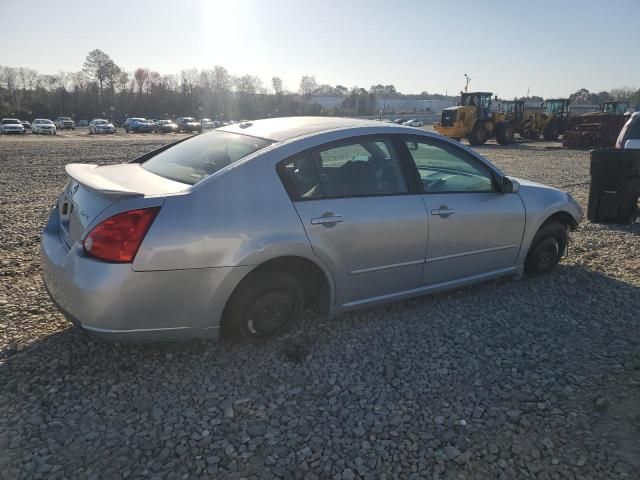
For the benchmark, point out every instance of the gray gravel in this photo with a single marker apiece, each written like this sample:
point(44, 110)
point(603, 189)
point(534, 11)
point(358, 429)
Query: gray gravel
point(538, 378)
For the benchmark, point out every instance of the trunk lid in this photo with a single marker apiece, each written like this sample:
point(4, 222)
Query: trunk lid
point(92, 188)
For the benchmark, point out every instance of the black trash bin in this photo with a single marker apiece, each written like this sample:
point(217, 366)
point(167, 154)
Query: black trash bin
point(615, 185)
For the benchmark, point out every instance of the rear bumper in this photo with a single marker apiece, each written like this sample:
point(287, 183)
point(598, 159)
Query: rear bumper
point(114, 301)
point(457, 131)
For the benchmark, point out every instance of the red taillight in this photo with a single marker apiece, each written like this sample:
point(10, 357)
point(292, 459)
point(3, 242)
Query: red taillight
point(118, 238)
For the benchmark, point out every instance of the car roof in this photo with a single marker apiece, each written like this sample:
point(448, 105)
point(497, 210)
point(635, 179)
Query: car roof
point(285, 128)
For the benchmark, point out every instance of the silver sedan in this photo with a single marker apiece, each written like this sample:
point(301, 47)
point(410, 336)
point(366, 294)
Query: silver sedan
point(239, 229)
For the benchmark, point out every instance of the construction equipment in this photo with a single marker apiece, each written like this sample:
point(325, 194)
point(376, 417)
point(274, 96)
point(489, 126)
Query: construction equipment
point(517, 113)
point(551, 123)
point(472, 119)
point(598, 129)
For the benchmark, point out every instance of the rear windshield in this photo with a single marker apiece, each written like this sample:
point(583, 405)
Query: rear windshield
point(197, 158)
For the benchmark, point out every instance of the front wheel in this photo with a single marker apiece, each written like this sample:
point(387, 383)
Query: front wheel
point(264, 306)
point(551, 132)
point(547, 248)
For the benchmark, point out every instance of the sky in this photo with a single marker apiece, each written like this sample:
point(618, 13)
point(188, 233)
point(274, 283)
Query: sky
point(547, 48)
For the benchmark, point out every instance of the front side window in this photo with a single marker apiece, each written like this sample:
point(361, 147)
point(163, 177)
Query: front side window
point(199, 157)
point(369, 167)
point(446, 169)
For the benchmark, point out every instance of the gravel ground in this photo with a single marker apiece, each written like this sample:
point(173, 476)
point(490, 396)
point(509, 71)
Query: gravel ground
point(538, 378)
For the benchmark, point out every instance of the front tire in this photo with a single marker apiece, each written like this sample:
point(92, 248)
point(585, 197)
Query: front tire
point(547, 248)
point(265, 305)
point(551, 132)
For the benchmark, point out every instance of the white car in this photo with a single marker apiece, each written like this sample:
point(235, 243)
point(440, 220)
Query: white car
point(98, 125)
point(630, 134)
point(11, 125)
point(43, 125)
point(413, 123)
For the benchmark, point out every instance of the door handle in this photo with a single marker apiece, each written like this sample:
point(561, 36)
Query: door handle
point(328, 219)
point(443, 211)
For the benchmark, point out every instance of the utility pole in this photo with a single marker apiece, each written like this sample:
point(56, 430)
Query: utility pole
point(466, 86)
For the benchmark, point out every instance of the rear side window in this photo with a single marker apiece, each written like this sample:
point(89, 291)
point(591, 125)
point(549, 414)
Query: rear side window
point(199, 157)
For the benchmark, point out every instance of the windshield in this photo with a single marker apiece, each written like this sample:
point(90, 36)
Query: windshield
point(65, 118)
point(554, 106)
point(138, 120)
point(10, 121)
point(189, 119)
point(100, 122)
point(164, 122)
point(47, 122)
point(197, 158)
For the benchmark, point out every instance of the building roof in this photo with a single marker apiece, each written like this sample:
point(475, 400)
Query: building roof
point(285, 128)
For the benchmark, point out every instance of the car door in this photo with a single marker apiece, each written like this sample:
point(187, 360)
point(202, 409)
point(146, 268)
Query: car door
point(361, 216)
point(474, 228)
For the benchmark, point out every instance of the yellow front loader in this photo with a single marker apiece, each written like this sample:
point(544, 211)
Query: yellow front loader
point(472, 119)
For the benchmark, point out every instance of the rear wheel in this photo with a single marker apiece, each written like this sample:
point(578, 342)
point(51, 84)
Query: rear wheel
point(547, 247)
point(478, 135)
point(264, 306)
point(504, 133)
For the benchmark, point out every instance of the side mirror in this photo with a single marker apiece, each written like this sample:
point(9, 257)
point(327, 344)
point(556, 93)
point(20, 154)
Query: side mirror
point(412, 146)
point(509, 186)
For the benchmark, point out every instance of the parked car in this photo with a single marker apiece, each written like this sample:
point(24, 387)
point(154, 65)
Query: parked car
point(413, 123)
point(11, 125)
point(98, 125)
point(208, 124)
point(65, 123)
point(137, 124)
point(239, 229)
point(83, 123)
point(188, 124)
point(399, 121)
point(630, 134)
point(26, 125)
point(165, 126)
point(43, 125)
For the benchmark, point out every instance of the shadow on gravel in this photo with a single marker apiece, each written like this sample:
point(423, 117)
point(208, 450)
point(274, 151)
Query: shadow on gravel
point(488, 354)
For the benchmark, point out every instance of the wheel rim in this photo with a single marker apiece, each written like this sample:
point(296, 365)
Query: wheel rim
point(547, 253)
point(269, 313)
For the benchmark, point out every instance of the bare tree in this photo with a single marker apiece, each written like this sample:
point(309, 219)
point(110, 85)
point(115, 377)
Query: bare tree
point(277, 85)
point(308, 86)
point(99, 65)
point(140, 76)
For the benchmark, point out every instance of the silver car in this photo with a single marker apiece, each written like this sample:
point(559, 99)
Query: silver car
point(238, 229)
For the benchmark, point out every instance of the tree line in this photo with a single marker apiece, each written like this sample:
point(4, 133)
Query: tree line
point(102, 88)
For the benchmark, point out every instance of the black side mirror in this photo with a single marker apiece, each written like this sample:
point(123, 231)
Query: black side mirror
point(412, 146)
point(508, 185)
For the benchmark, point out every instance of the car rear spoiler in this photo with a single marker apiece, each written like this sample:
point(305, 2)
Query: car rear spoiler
point(85, 174)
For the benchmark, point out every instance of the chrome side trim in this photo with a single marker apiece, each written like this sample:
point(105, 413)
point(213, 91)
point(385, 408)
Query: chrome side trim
point(429, 288)
point(137, 330)
point(386, 267)
point(472, 252)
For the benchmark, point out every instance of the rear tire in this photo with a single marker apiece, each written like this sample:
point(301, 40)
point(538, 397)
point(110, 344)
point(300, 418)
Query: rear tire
point(547, 248)
point(265, 305)
point(478, 135)
point(504, 133)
